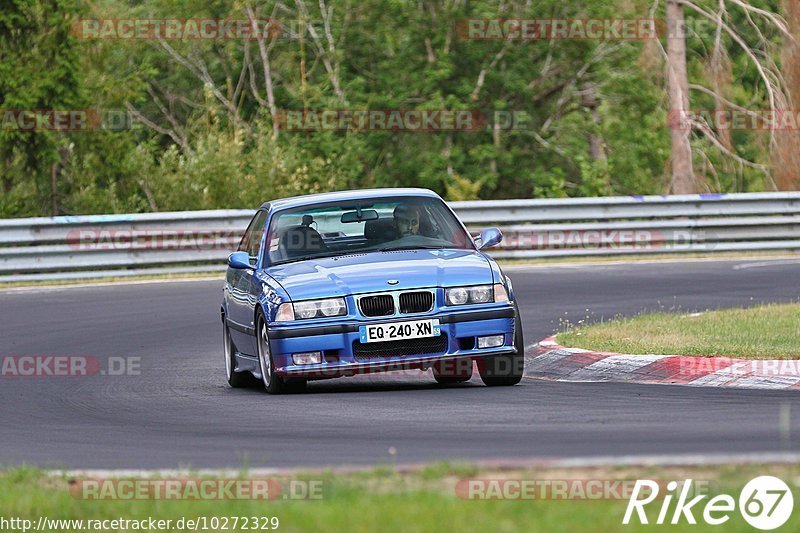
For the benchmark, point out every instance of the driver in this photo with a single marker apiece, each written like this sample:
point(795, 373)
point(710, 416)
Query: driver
point(406, 220)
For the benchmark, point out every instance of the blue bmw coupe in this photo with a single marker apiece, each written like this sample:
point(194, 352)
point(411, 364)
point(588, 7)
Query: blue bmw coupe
point(353, 282)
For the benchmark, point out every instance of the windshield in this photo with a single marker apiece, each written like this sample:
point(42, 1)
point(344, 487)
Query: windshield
point(359, 226)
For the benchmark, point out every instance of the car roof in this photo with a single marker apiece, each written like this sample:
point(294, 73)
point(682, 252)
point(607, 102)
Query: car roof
point(360, 194)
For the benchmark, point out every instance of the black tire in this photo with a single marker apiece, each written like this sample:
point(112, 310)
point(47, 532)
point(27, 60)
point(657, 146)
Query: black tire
point(272, 384)
point(237, 380)
point(453, 371)
point(505, 370)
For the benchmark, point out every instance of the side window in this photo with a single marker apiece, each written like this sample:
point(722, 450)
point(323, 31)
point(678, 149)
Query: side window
point(252, 236)
point(243, 244)
point(255, 235)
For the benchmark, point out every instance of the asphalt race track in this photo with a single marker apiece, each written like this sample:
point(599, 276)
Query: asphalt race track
point(180, 412)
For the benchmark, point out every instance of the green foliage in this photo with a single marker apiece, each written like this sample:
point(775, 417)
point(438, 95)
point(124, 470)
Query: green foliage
point(203, 136)
point(39, 69)
point(461, 188)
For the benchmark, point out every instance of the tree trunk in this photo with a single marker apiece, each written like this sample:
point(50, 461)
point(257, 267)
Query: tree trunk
point(590, 101)
point(786, 155)
point(678, 88)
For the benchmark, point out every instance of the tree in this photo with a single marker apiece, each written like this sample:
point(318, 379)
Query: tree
point(748, 27)
point(678, 91)
point(39, 70)
point(786, 153)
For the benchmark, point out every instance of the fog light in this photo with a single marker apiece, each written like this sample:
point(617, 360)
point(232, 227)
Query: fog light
point(492, 341)
point(308, 358)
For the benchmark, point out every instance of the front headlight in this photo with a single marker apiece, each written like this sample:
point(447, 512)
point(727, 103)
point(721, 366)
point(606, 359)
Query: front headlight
point(320, 308)
point(477, 294)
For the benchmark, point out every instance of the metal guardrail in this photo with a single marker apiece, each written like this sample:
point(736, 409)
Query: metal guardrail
point(80, 246)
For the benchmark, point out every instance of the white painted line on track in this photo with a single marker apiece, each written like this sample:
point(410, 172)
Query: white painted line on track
point(690, 459)
point(167, 473)
point(538, 266)
point(50, 288)
point(761, 264)
point(680, 460)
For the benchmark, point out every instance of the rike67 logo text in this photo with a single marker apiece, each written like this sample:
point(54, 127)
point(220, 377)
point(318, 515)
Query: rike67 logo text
point(765, 503)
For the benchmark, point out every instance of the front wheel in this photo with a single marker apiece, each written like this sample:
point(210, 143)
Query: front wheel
point(505, 370)
point(273, 383)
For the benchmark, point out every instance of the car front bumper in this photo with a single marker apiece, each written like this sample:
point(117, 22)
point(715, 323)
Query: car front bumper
point(336, 342)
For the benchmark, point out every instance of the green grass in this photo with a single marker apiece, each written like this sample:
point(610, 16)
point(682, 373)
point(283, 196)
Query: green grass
point(385, 500)
point(763, 332)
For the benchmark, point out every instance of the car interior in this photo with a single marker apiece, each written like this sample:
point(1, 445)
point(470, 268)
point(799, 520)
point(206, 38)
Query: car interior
point(356, 229)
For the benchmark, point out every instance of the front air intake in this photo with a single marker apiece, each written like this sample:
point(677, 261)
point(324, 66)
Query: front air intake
point(416, 302)
point(380, 305)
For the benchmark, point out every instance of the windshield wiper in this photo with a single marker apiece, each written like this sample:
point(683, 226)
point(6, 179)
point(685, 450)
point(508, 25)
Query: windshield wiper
point(357, 251)
point(398, 248)
point(315, 256)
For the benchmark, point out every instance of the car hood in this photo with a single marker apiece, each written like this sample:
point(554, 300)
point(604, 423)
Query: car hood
point(370, 272)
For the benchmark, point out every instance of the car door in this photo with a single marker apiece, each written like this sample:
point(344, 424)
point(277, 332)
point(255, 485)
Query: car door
point(243, 288)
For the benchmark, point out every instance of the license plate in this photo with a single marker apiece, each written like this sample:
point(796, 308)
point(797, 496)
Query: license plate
point(415, 329)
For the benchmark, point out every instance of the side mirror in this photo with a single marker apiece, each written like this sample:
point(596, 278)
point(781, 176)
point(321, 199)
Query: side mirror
point(239, 260)
point(490, 237)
